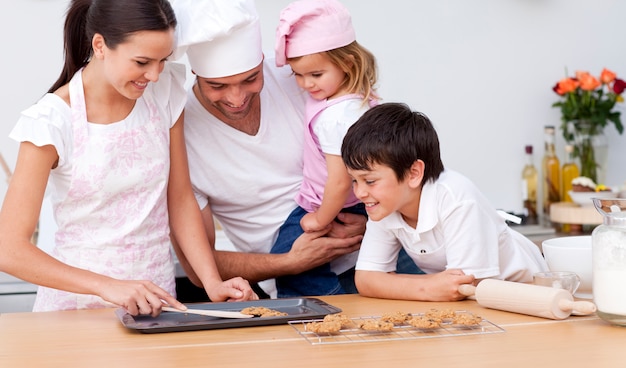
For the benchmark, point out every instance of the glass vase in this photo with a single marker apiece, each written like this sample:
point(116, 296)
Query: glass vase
point(591, 147)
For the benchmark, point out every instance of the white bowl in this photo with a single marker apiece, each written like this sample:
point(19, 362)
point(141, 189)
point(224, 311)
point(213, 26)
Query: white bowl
point(571, 253)
point(584, 198)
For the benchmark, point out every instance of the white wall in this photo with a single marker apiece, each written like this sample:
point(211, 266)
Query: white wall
point(482, 70)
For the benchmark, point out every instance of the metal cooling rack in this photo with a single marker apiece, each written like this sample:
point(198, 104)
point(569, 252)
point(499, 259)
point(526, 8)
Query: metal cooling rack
point(399, 332)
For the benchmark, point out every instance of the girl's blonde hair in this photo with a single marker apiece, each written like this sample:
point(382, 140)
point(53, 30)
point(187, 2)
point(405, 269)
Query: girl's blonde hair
point(360, 67)
point(359, 64)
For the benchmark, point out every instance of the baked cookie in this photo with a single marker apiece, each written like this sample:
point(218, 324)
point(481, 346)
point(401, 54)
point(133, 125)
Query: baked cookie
point(324, 327)
point(376, 325)
point(263, 312)
point(344, 320)
point(440, 315)
point(424, 322)
point(467, 319)
point(397, 318)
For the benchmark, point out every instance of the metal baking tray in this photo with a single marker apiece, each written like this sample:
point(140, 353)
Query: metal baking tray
point(296, 309)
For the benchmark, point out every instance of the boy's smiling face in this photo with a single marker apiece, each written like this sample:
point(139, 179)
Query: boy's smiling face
point(382, 193)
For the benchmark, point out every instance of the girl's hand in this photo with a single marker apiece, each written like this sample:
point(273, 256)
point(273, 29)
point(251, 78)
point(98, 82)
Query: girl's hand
point(139, 297)
point(309, 223)
point(233, 290)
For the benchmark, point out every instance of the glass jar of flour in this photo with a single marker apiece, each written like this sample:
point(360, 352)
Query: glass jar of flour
point(609, 261)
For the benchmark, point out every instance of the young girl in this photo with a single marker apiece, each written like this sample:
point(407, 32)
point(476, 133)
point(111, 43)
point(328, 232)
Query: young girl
point(318, 42)
point(109, 139)
point(437, 215)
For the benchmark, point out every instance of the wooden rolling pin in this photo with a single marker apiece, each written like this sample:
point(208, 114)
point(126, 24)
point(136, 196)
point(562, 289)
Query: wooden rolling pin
point(534, 300)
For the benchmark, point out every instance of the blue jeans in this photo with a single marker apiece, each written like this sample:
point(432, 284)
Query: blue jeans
point(321, 280)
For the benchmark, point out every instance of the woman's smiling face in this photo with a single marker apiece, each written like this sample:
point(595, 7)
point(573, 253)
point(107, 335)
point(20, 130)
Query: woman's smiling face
point(131, 65)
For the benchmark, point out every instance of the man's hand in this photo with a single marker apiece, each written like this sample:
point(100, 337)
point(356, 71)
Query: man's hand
point(315, 248)
point(351, 225)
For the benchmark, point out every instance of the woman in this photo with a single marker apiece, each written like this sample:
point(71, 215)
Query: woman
point(110, 139)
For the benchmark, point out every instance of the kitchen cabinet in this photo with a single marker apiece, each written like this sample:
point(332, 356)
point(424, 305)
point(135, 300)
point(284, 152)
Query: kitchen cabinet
point(16, 295)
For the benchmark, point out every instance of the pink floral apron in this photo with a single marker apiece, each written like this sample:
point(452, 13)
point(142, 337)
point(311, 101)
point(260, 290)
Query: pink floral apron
point(114, 220)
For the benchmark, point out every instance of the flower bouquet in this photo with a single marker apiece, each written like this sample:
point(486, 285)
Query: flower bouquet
point(587, 106)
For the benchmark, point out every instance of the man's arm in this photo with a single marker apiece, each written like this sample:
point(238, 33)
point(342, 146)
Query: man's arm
point(308, 251)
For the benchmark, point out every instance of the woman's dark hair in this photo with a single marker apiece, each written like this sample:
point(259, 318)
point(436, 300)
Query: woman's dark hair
point(391, 134)
point(115, 20)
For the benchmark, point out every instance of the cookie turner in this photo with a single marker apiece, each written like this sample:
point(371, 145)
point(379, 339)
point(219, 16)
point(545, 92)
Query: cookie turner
point(210, 313)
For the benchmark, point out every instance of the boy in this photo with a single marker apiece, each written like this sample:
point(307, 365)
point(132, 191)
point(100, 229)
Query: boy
point(438, 216)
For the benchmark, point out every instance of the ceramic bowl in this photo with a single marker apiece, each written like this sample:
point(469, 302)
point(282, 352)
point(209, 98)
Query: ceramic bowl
point(571, 253)
point(584, 198)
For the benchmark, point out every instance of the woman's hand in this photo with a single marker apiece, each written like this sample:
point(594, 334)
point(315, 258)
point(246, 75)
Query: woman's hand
point(139, 297)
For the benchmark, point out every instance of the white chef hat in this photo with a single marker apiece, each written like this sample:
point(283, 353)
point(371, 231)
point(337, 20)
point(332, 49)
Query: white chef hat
point(221, 37)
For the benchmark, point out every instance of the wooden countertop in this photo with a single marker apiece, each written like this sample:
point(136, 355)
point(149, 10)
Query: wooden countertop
point(96, 338)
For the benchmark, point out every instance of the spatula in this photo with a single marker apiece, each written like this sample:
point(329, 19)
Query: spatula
point(211, 313)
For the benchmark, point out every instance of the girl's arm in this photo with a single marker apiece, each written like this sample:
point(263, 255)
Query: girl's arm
point(188, 228)
point(22, 259)
point(442, 286)
point(336, 192)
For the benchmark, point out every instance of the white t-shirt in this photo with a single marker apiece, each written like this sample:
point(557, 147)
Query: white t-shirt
point(457, 228)
point(332, 124)
point(324, 135)
point(249, 181)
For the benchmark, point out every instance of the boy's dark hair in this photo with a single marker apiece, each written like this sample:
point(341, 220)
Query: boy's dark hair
point(391, 134)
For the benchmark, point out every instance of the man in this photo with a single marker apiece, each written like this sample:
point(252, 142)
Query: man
point(244, 123)
point(244, 130)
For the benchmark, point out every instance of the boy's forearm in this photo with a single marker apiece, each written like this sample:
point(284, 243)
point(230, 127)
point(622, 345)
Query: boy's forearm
point(389, 285)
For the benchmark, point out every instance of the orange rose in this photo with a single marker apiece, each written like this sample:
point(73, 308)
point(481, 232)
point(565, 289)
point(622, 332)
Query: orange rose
point(565, 85)
point(607, 76)
point(587, 81)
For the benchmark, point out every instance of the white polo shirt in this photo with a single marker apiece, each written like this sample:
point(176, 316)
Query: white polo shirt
point(457, 228)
